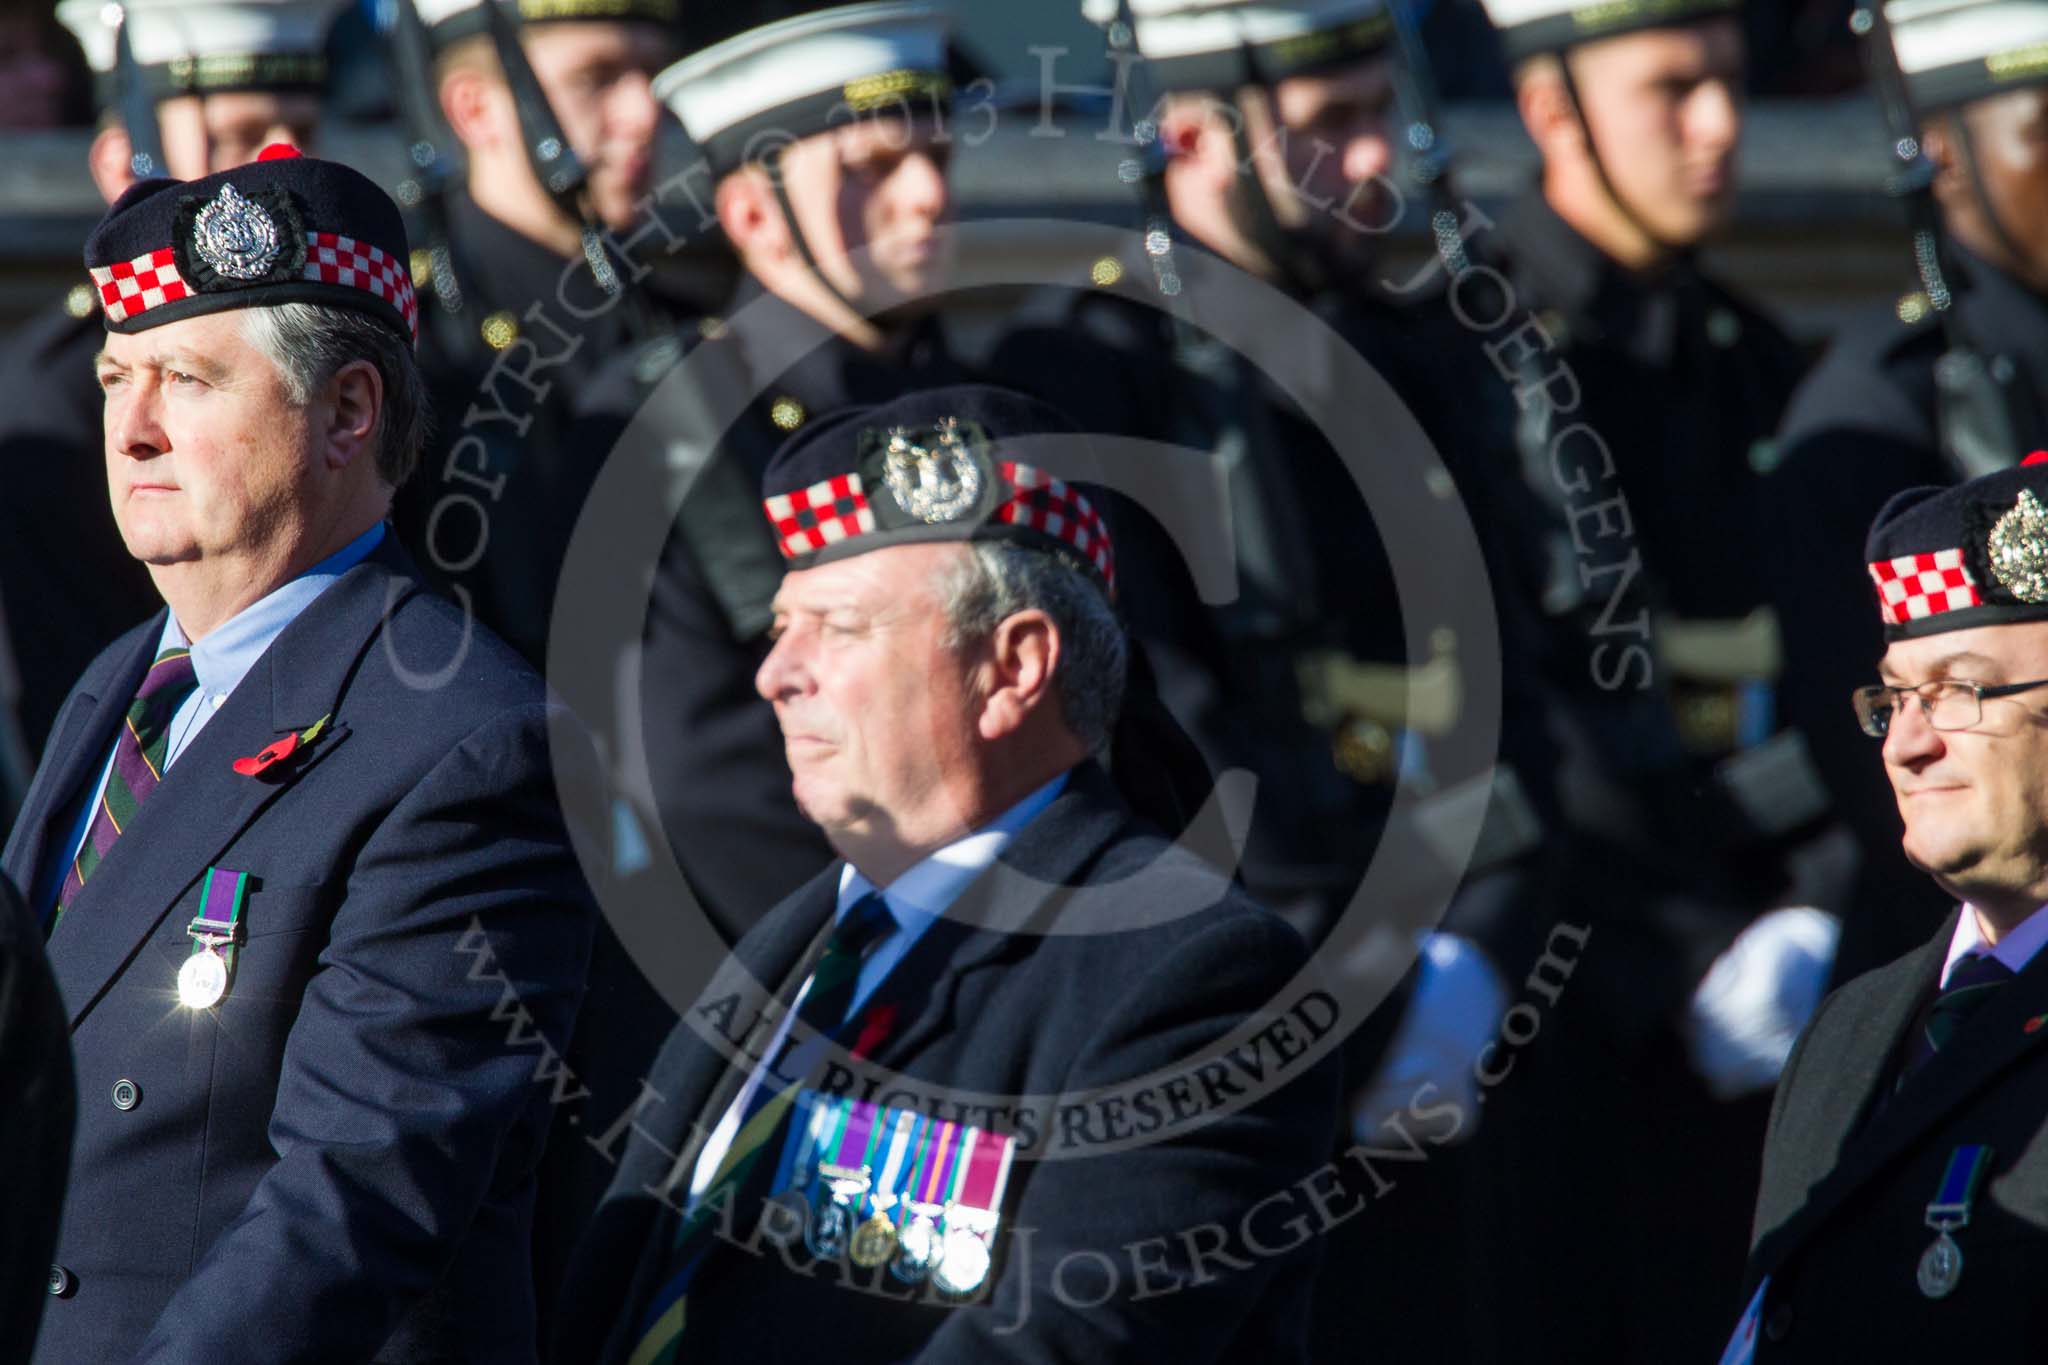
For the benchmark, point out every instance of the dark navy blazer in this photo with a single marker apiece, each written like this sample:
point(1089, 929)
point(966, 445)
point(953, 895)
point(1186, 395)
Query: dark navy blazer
point(336, 1162)
point(975, 1009)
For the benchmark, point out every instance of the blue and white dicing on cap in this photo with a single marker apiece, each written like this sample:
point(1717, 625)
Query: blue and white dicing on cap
point(209, 46)
point(744, 99)
point(1955, 51)
point(1529, 28)
point(1223, 44)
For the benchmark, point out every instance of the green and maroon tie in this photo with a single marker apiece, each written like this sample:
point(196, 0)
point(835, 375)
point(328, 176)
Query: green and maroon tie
point(139, 756)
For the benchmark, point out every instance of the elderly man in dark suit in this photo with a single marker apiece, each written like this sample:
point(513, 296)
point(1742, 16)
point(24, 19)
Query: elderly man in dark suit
point(1904, 1207)
point(296, 842)
point(989, 1112)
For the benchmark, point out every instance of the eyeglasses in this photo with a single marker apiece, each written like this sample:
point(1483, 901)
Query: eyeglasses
point(1947, 703)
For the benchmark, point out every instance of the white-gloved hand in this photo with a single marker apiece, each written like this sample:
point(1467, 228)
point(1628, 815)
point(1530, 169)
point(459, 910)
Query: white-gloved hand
point(1456, 1007)
point(1748, 1010)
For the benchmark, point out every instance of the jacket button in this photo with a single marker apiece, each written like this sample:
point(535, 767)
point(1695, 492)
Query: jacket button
point(1778, 1325)
point(127, 1094)
point(61, 1282)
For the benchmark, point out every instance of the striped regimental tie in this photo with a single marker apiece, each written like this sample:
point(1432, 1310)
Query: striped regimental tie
point(823, 1008)
point(1971, 985)
point(139, 757)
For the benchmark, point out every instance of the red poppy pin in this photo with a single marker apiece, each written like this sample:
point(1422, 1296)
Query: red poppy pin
point(258, 765)
point(2035, 1024)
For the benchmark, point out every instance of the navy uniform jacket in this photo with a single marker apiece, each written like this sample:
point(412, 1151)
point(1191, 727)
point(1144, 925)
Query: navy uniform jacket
point(490, 511)
point(336, 1162)
point(1014, 1014)
point(1841, 1221)
point(67, 583)
point(1861, 429)
point(36, 1095)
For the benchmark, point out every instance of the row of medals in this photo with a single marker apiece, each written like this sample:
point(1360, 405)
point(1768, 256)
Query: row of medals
point(924, 1242)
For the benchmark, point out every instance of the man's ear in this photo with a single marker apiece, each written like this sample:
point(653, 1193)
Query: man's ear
point(1023, 655)
point(1951, 181)
point(467, 100)
point(110, 161)
point(1198, 136)
point(355, 398)
point(752, 224)
point(1546, 108)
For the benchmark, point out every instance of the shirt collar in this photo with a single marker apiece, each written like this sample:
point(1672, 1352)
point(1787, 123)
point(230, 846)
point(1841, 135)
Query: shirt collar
point(227, 653)
point(2015, 949)
point(922, 894)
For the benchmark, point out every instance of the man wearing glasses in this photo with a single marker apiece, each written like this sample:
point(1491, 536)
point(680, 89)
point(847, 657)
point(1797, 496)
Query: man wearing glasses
point(1908, 1146)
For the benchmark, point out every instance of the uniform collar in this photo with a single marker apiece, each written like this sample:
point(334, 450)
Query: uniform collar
point(1597, 298)
point(2015, 950)
point(227, 653)
point(2002, 314)
point(834, 373)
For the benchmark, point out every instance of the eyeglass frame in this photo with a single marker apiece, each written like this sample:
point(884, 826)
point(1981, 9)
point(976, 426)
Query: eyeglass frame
point(1978, 691)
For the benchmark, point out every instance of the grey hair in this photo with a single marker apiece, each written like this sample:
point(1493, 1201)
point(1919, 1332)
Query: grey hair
point(309, 343)
point(998, 579)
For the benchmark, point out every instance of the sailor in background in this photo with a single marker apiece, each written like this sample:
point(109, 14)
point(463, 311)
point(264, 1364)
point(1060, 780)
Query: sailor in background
point(1946, 382)
point(549, 258)
point(1627, 398)
point(186, 89)
point(826, 140)
point(1904, 1208)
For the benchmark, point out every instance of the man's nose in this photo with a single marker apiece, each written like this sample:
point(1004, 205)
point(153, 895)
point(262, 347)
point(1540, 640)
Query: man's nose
point(1911, 738)
point(134, 426)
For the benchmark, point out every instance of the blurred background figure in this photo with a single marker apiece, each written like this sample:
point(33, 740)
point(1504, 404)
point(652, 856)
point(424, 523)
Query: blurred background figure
point(1945, 381)
point(1620, 391)
point(44, 79)
point(185, 89)
point(548, 254)
point(37, 1096)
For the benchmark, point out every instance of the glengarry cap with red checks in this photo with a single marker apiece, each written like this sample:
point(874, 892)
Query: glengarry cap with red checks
point(1972, 555)
point(284, 228)
point(944, 464)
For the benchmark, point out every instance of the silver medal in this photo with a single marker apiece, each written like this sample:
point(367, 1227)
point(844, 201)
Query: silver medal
point(1941, 1267)
point(964, 1264)
point(203, 980)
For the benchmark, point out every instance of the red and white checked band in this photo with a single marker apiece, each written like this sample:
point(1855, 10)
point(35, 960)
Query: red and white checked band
point(823, 514)
point(827, 513)
point(1914, 587)
point(129, 288)
point(1051, 505)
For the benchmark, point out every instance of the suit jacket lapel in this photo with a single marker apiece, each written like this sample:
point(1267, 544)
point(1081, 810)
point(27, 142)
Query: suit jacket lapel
point(203, 803)
point(1993, 1039)
point(79, 744)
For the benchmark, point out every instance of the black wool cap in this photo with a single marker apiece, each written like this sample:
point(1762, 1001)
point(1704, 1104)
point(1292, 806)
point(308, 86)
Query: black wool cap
point(284, 228)
point(939, 465)
point(1972, 555)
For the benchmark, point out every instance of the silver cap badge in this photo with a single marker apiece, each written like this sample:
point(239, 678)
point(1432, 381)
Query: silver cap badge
point(235, 236)
point(2018, 549)
point(937, 482)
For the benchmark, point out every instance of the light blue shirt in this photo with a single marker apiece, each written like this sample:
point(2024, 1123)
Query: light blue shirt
point(2015, 949)
point(922, 894)
point(915, 900)
point(219, 662)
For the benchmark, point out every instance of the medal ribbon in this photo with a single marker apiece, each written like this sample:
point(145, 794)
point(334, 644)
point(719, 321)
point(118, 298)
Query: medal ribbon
point(988, 1173)
point(221, 897)
point(1958, 1188)
point(902, 1141)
